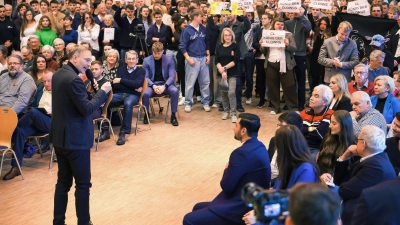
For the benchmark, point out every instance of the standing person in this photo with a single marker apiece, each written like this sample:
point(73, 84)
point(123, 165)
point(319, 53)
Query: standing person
point(9, 33)
point(226, 58)
point(300, 27)
point(28, 27)
point(194, 46)
point(339, 54)
point(279, 64)
point(56, 17)
point(89, 32)
point(69, 35)
point(157, 32)
point(108, 21)
point(180, 59)
point(44, 32)
point(72, 134)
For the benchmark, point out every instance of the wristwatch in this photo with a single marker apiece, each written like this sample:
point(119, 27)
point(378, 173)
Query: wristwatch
point(225, 68)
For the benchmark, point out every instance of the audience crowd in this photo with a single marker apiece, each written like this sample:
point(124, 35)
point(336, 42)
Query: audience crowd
point(180, 50)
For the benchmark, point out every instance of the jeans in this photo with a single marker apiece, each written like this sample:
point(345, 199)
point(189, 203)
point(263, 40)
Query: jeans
point(229, 97)
point(173, 55)
point(239, 81)
point(215, 94)
point(72, 164)
point(199, 71)
point(128, 101)
point(249, 63)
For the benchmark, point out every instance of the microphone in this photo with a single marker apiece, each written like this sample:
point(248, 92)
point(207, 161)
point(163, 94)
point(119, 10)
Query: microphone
point(89, 75)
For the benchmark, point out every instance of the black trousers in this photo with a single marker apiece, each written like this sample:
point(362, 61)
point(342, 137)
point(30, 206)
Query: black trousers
point(261, 80)
point(72, 164)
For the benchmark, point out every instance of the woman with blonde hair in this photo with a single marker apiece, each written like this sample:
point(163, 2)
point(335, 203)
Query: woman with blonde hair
point(109, 23)
point(341, 94)
point(227, 56)
point(383, 100)
point(110, 65)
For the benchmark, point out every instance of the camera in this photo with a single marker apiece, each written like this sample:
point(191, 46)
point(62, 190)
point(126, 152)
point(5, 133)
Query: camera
point(139, 28)
point(270, 206)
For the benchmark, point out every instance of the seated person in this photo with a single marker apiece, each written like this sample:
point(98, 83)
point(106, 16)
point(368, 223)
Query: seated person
point(16, 86)
point(127, 87)
point(375, 67)
point(363, 114)
point(316, 119)
point(384, 101)
point(361, 82)
point(341, 95)
point(248, 163)
point(378, 42)
point(33, 122)
point(392, 144)
point(34, 44)
point(396, 79)
point(353, 175)
point(379, 204)
point(27, 56)
point(160, 73)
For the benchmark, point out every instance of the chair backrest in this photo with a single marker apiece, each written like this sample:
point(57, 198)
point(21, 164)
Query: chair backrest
point(8, 123)
point(144, 87)
point(105, 107)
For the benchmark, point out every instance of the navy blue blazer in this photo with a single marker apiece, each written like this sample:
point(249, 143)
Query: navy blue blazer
point(379, 204)
point(168, 69)
point(71, 121)
point(248, 163)
point(361, 175)
point(38, 96)
point(392, 106)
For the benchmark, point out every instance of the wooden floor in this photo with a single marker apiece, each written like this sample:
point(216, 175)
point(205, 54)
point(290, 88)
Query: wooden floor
point(155, 178)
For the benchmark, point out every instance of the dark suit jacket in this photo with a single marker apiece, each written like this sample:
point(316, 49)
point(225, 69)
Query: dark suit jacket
point(393, 42)
point(71, 122)
point(392, 149)
point(379, 204)
point(343, 104)
point(248, 163)
point(168, 69)
point(361, 175)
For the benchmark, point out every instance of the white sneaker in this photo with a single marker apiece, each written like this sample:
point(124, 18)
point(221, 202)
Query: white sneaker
point(234, 119)
point(272, 113)
point(214, 106)
point(248, 101)
point(199, 98)
point(182, 101)
point(207, 108)
point(225, 116)
point(188, 108)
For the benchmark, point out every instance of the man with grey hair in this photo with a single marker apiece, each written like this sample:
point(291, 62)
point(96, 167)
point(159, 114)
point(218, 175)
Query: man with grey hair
point(352, 174)
point(375, 67)
point(27, 57)
point(34, 44)
point(16, 86)
point(363, 114)
point(316, 119)
point(8, 11)
point(361, 82)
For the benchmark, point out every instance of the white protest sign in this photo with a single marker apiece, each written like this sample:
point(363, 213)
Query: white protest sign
point(247, 5)
point(360, 7)
point(109, 33)
point(273, 38)
point(321, 4)
point(289, 5)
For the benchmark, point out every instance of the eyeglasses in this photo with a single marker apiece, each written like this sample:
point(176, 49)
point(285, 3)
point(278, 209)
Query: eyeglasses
point(13, 63)
point(359, 73)
point(360, 139)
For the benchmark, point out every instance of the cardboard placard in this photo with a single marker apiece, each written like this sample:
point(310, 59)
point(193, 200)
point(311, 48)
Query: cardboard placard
point(273, 38)
point(321, 4)
point(289, 5)
point(359, 7)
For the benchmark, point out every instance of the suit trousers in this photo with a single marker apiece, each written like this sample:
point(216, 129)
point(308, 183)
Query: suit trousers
point(300, 70)
point(31, 123)
point(128, 101)
point(275, 79)
point(172, 91)
point(201, 215)
point(261, 80)
point(72, 164)
point(249, 73)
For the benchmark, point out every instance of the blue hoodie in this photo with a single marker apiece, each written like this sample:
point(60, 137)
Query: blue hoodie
point(194, 42)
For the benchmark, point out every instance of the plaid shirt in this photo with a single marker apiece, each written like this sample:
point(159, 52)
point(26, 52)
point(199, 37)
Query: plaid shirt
point(370, 117)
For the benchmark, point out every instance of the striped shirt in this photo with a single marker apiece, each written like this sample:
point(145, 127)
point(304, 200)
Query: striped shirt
point(315, 125)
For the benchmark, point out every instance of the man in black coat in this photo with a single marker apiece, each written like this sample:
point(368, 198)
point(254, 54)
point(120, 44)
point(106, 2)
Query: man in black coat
point(379, 204)
point(72, 134)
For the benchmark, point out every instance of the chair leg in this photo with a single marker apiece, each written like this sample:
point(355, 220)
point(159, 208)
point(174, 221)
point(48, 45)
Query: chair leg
point(51, 157)
point(166, 113)
point(15, 157)
point(98, 138)
point(2, 159)
point(153, 113)
point(110, 127)
point(120, 115)
point(38, 144)
point(147, 114)
point(137, 119)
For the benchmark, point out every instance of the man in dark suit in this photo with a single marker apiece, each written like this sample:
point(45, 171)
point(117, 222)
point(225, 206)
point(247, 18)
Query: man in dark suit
point(72, 134)
point(373, 168)
point(379, 204)
point(248, 163)
point(160, 73)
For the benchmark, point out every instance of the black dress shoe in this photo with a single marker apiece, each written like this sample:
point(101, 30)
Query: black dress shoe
point(12, 173)
point(145, 120)
point(239, 108)
point(105, 135)
point(174, 121)
point(121, 139)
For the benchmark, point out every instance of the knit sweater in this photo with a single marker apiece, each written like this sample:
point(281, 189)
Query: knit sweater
point(315, 125)
point(129, 81)
point(46, 36)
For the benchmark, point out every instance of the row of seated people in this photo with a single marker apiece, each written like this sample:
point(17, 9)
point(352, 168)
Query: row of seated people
point(347, 162)
point(18, 87)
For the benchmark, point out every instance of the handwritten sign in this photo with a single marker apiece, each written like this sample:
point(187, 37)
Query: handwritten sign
point(220, 8)
point(321, 4)
point(247, 5)
point(360, 7)
point(236, 7)
point(273, 38)
point(289, 5)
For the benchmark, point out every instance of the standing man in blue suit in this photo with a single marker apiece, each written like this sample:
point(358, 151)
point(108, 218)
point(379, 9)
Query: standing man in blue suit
point(160, 73)
point(248, 163)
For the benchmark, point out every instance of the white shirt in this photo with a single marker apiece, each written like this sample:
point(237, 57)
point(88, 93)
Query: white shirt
point(91, 37)
point(397, 54)
point(366, 157)
point(274, 54)
point(45, 101)
point(3, 67)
